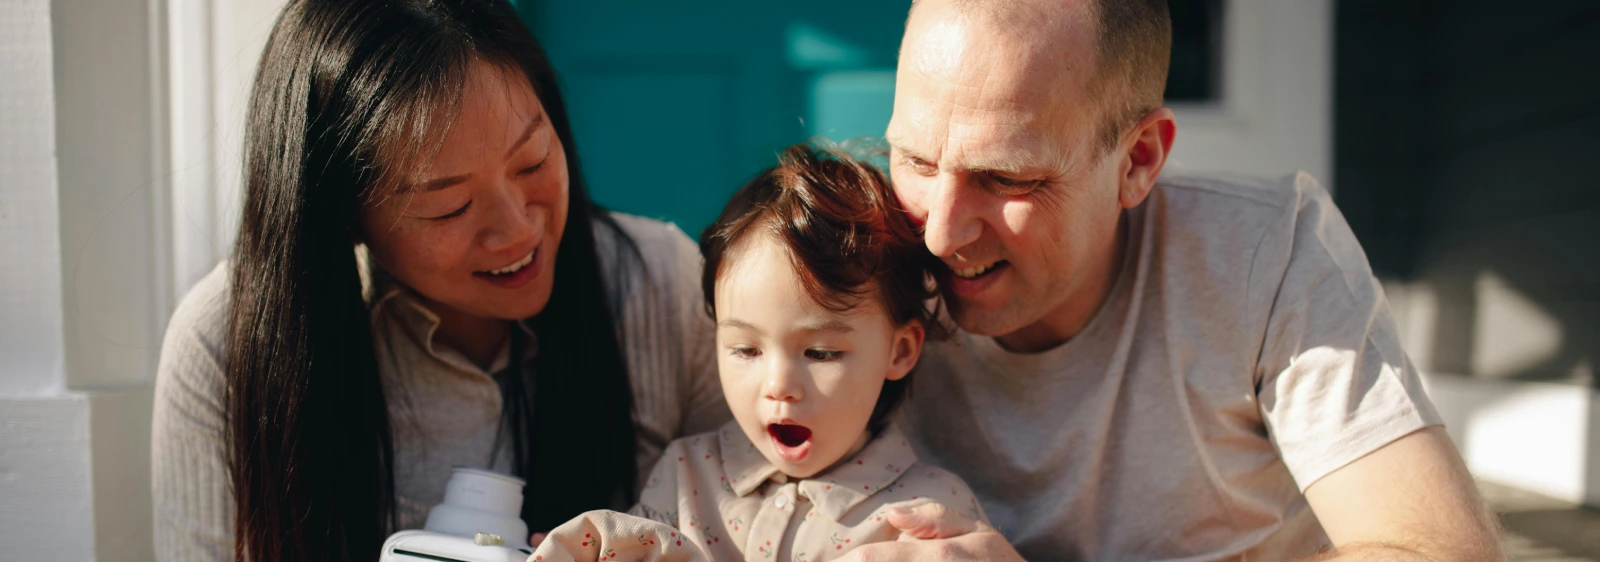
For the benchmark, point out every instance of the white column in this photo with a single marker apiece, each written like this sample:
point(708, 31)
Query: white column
point(31, 349)
point(83, 275)
point(44, 449)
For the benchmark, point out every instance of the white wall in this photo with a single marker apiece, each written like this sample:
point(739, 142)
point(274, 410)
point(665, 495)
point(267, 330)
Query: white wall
point(1542, 437)
point(81, 305)
point(119, 157)
point(31, 351)
point(111, 196)
point(1275, 114)
point(44, 434)
point(215, 47)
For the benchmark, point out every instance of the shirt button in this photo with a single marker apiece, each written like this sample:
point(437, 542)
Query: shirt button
point(781, 502)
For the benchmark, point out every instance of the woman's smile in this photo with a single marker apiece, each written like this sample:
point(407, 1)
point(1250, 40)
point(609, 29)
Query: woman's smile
point(516, 274)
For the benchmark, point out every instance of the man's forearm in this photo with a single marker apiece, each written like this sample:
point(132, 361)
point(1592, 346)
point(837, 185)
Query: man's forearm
point(1370, 551)
point(1398, 552)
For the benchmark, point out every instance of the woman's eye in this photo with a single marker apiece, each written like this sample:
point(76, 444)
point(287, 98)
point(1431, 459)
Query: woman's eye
point(531, 169)
point(823, 354)
point(745, 352)
point(453, 214)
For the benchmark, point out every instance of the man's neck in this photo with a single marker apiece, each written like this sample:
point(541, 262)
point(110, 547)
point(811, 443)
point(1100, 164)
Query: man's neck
point(1068, 320)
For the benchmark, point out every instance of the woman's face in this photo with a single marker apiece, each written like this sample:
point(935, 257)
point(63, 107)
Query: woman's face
point(476, 230)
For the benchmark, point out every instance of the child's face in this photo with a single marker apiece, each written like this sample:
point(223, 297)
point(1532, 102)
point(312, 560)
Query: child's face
point(802, 380)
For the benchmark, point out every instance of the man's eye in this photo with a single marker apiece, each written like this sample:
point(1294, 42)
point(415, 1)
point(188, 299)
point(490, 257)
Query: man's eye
point(453, 214)
point(920, 166)
point(823, 354)
point(1013, 186)
point(745, 352)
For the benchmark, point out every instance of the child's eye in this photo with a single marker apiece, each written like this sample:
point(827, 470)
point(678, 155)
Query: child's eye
point(823, 354)
point(745, 352)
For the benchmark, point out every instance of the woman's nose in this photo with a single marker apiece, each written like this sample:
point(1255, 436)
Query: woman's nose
point(511, 221)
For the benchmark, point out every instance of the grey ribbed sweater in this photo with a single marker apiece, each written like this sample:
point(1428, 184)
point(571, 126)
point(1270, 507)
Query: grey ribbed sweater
point(445, 410)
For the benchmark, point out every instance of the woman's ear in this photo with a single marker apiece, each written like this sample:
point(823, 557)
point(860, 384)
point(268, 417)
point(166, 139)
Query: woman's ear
point(905, 349)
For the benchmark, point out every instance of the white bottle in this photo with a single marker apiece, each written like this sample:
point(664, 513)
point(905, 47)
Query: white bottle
point(480, 501)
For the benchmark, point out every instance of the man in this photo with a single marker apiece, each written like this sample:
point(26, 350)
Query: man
point(1183, 368)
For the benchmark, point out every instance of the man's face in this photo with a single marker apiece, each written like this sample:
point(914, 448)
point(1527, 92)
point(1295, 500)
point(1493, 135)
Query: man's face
point(993, 149)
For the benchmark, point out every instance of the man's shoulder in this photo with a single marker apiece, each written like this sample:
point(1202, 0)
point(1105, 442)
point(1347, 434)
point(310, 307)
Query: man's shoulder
point(1230, 213)
point(1229, 193)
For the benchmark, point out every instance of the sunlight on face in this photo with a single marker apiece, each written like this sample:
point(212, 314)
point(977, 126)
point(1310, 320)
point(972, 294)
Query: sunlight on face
point(477, 230)
point(993, 150)
point(801, 380)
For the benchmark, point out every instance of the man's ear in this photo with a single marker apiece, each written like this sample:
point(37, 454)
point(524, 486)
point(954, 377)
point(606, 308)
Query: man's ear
point(905, 349)
point(1144, 153)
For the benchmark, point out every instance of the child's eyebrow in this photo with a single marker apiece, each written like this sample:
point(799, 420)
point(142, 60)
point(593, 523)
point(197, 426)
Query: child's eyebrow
point(831, 325)
point(739, 324)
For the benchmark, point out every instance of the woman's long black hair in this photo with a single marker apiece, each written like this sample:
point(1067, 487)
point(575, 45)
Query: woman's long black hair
point(350, 96)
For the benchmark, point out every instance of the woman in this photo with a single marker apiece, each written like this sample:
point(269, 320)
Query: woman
point(395, 304)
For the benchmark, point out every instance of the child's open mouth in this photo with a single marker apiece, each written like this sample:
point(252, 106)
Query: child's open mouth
point(790, 441)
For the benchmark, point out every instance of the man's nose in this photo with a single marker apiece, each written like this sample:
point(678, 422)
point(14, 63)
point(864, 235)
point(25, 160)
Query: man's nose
point(951, 224)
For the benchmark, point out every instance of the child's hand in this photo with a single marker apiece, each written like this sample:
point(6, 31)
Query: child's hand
point(933, 521)
point(536, 539)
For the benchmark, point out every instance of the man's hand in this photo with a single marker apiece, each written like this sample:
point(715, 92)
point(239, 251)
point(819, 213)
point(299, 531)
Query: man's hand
point(1409, 500)
point(934, 532)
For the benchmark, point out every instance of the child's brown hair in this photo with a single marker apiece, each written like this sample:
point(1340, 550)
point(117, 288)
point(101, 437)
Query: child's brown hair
point(843, 229)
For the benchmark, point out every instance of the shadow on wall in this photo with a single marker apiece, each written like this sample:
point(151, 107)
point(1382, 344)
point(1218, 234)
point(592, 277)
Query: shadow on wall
point(1463, 133)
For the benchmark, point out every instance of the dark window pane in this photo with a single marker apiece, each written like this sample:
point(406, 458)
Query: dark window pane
point(1195, 74)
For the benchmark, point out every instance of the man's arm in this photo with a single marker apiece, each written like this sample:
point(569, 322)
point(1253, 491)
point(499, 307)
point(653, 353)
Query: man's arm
point(1409, 500)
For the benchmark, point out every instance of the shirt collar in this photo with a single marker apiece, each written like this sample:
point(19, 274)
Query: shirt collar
point(388, 298)
point(834, 492)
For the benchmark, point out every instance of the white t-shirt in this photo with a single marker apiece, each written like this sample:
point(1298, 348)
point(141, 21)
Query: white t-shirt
point(1245, 352)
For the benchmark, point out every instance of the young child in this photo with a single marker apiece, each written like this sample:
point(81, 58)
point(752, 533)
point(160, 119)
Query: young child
point(817, 283)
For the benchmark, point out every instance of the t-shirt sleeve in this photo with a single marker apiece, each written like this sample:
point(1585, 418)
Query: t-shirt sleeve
point(193, 508)
point(1332, 380)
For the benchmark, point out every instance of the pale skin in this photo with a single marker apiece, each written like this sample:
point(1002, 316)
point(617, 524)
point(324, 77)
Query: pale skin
point(994, 150)
point(784, 358)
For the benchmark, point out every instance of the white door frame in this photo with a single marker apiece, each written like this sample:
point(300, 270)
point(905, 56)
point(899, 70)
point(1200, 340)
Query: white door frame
point(1275, 111)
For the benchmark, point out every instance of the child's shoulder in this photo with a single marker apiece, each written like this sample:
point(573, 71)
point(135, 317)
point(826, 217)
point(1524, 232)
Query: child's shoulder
point(694, 454)
point(925, 483)
point(709, 442)
point(920, 482)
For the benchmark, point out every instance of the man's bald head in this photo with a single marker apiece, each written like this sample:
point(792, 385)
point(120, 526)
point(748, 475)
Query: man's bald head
point(1132, 43)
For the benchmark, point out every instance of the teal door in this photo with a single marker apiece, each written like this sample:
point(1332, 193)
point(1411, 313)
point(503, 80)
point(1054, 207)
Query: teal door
point(675, 104)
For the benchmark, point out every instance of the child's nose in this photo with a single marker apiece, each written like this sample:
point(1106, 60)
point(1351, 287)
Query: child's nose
point(783, 382)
